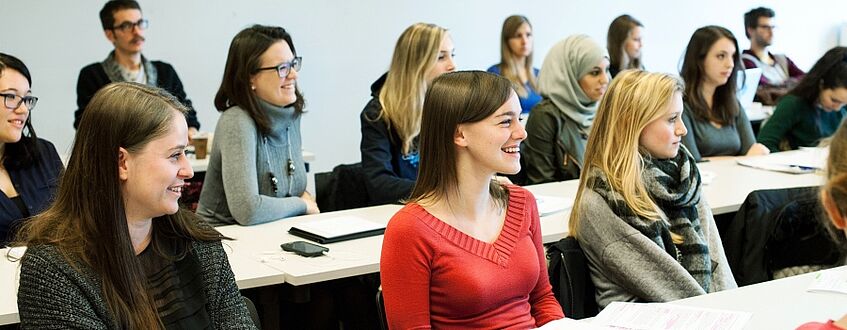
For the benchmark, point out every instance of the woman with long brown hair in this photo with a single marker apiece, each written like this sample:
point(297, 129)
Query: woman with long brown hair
point(516, 60)
point(115, 250)
point(466, 252)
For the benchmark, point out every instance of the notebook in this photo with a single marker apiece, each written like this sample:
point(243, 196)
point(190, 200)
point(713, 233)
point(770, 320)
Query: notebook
point(337, 229)
point(748, 82)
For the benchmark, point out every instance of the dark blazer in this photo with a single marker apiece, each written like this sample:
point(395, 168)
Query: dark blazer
point(389, 176)
point(35, 184)
point(93, 77)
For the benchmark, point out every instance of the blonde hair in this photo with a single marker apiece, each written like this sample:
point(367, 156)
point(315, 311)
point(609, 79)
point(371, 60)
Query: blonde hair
point(508, 60)
point(402, 96)
point(836, 169)
point(634, 100)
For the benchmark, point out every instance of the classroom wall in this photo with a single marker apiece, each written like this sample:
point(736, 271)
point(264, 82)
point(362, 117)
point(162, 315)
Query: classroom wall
point(346, 45)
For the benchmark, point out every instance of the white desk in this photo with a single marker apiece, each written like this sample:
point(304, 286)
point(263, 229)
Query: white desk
point(778, 304)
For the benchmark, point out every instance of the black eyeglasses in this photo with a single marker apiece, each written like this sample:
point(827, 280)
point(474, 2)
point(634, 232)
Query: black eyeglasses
point(12, 101)
point(285, 68)
point(767, 27)
point(142, 24)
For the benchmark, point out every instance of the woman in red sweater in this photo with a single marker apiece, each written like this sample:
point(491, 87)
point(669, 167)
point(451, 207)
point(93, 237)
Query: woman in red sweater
point(465, 252)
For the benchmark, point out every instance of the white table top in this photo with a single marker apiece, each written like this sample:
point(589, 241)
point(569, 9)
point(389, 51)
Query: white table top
point(778, 304)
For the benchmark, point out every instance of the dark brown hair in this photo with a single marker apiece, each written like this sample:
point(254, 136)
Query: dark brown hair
point(23, 153)
point(829, 72)
point(243, 60)
point(107, 14)
point(618, 33)
point(751, 18)
point(87, 222)
point(454, 98)
point(724, 104)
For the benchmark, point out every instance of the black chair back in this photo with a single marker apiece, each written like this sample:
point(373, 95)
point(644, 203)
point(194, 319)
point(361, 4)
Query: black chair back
point(571, 279)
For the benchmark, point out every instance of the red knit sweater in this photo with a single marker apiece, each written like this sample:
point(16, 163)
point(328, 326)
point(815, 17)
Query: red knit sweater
point(435, 276)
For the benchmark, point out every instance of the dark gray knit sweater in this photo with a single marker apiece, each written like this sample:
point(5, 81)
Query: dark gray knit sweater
point(55, 295)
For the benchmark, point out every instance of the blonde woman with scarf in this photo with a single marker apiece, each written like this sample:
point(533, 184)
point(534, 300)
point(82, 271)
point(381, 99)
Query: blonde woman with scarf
point(573, 78)
point(639, 216)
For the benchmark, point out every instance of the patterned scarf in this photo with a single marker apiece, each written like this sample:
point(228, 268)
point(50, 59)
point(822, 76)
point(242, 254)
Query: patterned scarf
point(115, 71)
point(674, 185)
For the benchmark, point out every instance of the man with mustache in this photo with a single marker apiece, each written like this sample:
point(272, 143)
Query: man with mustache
point(124, 25)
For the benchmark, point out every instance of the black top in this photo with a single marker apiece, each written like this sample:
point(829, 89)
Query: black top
point(176, 287)
point(36, 186)
point(389, 174)
point(93, 77)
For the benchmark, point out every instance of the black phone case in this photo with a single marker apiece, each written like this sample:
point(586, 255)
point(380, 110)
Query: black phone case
point(292, 247)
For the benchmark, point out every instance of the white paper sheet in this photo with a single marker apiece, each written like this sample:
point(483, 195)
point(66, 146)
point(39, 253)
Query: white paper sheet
point(660, 316)
point(548, 205)
point(830, 281)
point(804, 160)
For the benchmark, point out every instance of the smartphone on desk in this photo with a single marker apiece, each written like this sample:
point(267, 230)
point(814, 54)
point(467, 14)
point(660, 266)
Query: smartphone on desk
point(304, 248)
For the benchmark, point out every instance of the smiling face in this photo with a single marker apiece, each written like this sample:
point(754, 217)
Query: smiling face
point(152, 178)
point(662, 136)
point(494, 142)
point(267, 85)
point(444, 63)
point(127, 42)
point(719, 62)
point(595, 82)
point(521, 42)
point(13, 120)
point(833, 99)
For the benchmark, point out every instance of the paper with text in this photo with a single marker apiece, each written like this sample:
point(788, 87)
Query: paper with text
point(660, 316)
point(830, 281)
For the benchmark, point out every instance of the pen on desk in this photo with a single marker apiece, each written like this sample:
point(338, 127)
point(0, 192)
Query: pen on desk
point(802, 168)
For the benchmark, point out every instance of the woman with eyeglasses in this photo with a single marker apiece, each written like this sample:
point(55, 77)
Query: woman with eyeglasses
point(30, 166)
point(256, 171)
point(391, 120)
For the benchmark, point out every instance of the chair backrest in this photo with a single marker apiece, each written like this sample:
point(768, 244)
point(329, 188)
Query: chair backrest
point(254, 314)
point(571, 279)
point(341, 189)
point(380, 309)
point(777, 228)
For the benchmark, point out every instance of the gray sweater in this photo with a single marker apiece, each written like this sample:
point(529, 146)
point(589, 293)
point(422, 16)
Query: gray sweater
point(55, 295)
point(627, 266)
point(706, 140)
point(238, 188)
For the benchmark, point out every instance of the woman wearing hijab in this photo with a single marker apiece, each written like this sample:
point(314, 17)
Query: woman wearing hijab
point(573, 78)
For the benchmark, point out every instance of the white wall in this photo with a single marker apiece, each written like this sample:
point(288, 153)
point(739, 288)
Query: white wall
point(347, 44)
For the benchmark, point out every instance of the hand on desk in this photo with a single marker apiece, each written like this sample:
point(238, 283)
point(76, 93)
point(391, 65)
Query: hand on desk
point(311, 205)
point(758, 149)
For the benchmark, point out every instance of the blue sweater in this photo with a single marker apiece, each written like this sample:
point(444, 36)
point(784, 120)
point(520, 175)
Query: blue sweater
point(36, 185)
point(531, 99)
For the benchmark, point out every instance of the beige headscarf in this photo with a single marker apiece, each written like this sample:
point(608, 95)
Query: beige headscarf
point(567, 61)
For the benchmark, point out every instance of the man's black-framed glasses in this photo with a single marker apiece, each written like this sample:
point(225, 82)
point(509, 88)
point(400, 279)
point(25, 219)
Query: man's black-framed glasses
point(142, 24)
point(12, 101)
point(285, 68)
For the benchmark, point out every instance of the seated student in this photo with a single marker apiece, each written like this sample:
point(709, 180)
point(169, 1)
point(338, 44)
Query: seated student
point(114, 250)
point(778, 71)
point(256, 171)
point(516, 60)
point(645, 240)
point(391, 120)
point(813, 109)
point(573, 78)
point(466, 251)
point(834, 200)
point(624, 44)
point(717, 124)
point(30, 167)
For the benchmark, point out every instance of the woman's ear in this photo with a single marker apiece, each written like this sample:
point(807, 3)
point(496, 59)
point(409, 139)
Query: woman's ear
point(123, 166)
point(459, 137)
point(832, 210)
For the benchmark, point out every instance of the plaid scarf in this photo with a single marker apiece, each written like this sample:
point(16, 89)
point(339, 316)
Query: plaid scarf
point(114, 70)
point(674, 185)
